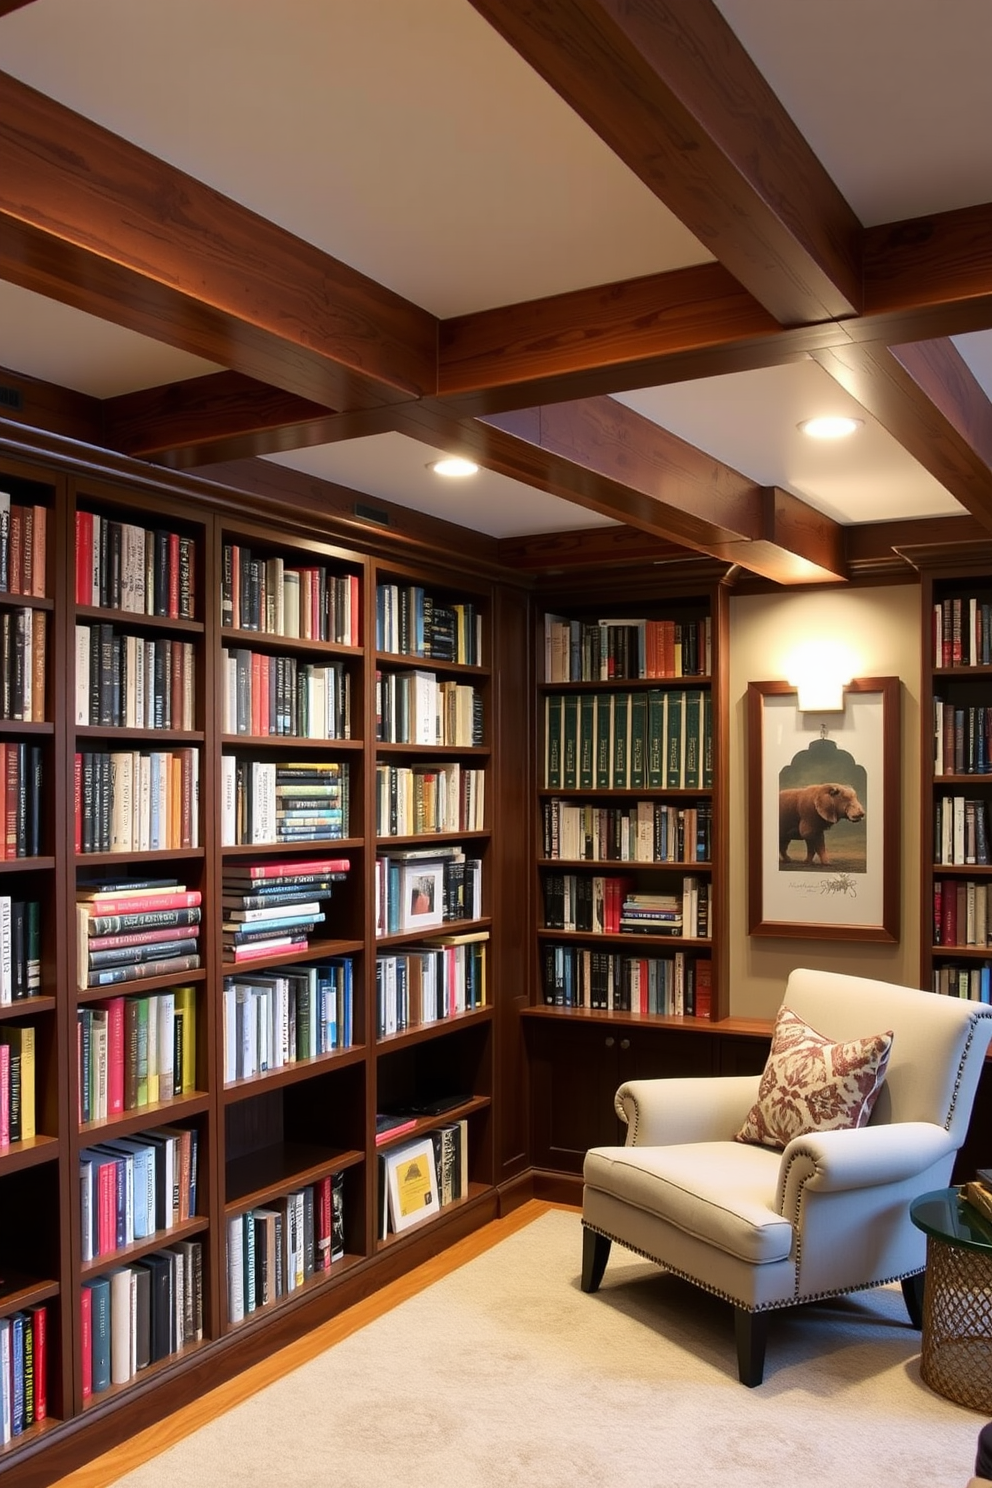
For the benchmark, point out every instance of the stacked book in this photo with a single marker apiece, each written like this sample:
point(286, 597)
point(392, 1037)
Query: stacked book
point(274, 907)
point(296, 802)
point(652, 914)
point(135, 928)
point(978, 1193)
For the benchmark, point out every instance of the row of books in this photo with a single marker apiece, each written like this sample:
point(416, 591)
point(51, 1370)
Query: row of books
point(962, 632)
point(281, 696)
point(961, 912)
point(659, 738)
point(962, 742)
point(23, 1371)
point(21, 773)
point(309, 602)
point(603, 905)
point(275, 906)
point(134, 1052)
point(296, 802)
point(438, 980)
point(130, 681)
point(20, 949)
point(663, 986)
point(422, 1176)
point(410, 621)
point(420, 708)
point(276, 1249)
point(136, 800)
point(286, 1014)
point(23, 547)
point(130, 1188)
point(643, 832)
point(18, 1084)
point(415, 799)
point(971, 983)
point(423, 888)
point(961, 831)
point(123, 566)
point(23, 650)
point(615, 650)
point(136, 1315)
point(135, 928)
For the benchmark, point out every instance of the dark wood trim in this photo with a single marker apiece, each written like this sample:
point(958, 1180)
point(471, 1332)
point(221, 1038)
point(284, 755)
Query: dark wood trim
point(46, 405)
point(676, 97)
point(927, 277)
point(110, 229)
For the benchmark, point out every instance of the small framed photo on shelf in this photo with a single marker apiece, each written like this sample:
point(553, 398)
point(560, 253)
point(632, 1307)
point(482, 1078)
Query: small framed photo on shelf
point(421, 894)
point(411, 1183)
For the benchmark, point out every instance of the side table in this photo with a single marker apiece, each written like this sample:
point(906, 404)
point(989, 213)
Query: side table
point(956, 1353)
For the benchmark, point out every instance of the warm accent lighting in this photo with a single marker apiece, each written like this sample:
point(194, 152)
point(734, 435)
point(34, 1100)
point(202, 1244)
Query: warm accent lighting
point(819, 671)
point(830, 426)
point(453, 466)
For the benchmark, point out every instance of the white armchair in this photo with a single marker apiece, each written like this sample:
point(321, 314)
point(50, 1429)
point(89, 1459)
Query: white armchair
point(829, 1213)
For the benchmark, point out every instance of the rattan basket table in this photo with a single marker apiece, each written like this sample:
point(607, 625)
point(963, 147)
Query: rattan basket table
point(956, 1354)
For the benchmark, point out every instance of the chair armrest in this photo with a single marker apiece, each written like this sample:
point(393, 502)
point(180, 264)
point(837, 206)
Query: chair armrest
point(662, 1113)
point(870, 1157)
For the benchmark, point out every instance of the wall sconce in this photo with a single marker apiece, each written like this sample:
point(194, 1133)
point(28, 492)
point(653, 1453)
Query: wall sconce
point(819, 671)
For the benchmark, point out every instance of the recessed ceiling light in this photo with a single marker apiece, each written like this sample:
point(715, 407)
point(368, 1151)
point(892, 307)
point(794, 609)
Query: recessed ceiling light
point(453, 466)
point(830, 426)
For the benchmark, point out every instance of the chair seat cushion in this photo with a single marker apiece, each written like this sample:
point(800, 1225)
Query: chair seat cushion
point(720, 1192)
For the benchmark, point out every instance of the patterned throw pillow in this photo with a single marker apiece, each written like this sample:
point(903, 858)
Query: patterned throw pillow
point(811, 1084)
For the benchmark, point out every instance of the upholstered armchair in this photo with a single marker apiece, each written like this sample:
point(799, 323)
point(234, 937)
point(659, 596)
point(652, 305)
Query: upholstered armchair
point(767, 1222)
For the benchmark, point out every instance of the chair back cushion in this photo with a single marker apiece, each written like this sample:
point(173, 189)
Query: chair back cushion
point(937, 1048)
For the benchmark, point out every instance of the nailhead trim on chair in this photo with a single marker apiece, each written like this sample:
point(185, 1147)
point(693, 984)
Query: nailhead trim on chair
point(729, 1297)
point(976, 1017)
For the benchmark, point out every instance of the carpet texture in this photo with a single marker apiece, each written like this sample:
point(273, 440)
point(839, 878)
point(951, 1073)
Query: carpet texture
point(504, 1373)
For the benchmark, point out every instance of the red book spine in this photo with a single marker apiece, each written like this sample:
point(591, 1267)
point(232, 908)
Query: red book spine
point(257, 688)
point(173, 575)
point(4, 1095)
point(279, 870)
point(39, 1338)
point(115, 1055)
point(77, 804)
point(704, 989)
point(938, 911)
point(107, 1211)
point(84, 558)
point(325, 1224)
point(949, 927)
point(138, 903)
point(86, 1339)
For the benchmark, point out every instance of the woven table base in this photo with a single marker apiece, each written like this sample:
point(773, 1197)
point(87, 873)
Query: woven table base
point(956, 1356)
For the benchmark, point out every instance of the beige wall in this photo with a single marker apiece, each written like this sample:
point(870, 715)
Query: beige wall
point(880, 629)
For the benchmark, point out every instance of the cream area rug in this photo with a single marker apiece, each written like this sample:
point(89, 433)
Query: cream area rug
point(504, 1373)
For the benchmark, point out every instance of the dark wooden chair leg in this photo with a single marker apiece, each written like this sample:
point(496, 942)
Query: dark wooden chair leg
point(595, 1254)
point(751, 1330)
point(912, 1295)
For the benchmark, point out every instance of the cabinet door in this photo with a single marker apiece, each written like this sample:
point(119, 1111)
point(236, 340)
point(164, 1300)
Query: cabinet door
point(574, 1074)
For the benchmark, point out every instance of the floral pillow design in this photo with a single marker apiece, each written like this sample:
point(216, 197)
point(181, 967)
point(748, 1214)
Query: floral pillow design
point(811, 1084)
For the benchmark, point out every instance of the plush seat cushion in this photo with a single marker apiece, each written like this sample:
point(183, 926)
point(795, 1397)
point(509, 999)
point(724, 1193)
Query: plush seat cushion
point(811, 1084)
point(721, 1192)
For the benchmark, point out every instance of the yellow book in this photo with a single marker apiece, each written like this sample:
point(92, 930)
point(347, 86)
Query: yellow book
point(186, 1016)
point(21, 1041)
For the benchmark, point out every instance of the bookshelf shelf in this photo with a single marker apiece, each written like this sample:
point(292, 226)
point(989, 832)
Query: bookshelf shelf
point(128, 1122)
point(138, 620)
point(403, 661)
point(185, 1230)
point(29, 1153)
point(320, 1281)
point(150, 736)
point(18, 1293)
point(26, 865)
point(422, 1032)
point(294, 1073)
point(476, 1192)
point(13, 726)
point(448, 927)
point(26, 1006)
point(264, 640)
point(138, 988)
point(271, 1171)
point(25, 601)
point(153, 1373)
point(434, 751)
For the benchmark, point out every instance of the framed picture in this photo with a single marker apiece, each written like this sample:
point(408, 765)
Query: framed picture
point(421, 894)
point(823, 813)
point(411, 1183)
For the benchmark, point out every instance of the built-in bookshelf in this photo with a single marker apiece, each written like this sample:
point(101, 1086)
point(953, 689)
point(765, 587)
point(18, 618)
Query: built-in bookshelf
point(627, 896)
point(957, 756)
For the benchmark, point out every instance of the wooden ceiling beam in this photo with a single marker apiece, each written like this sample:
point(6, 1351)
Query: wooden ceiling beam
point(927, 277)
point(677, 98)
point(93, 221)
point(928, 400)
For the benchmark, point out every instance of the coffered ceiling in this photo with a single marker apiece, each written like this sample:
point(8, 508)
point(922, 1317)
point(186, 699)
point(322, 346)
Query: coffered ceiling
point(615, 251)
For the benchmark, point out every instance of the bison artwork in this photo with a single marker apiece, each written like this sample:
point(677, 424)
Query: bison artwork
point(807, 813)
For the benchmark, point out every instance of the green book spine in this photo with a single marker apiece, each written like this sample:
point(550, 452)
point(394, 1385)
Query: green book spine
point(638, 739)
point(570, 742)
point(621, 740)
point(552, 772)
point(604, 740)
point(674, 752)
point(693, 742)
point(587, 740)
point(656, 738)
point(141, 1073)
point(707, 741)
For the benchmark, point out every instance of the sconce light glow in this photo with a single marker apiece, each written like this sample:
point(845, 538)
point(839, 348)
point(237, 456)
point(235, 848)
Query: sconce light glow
point(830, 426)
point(819, 671)
point(453, 466)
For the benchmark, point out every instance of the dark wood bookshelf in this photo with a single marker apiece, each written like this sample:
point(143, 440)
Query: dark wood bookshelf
point(272, 1171)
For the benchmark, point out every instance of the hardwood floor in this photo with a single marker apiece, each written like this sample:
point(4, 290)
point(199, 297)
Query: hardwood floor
point(164, 1434)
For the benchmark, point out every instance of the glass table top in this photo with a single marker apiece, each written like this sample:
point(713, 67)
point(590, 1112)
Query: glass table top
point(945, 1215)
